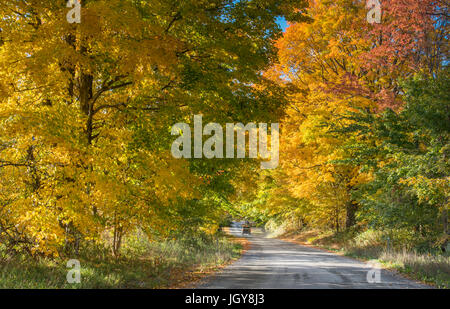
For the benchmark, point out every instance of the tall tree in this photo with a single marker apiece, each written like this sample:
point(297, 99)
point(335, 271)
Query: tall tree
point(87, 108)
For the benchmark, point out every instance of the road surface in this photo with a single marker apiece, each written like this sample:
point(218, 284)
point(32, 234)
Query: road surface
point(276, 264)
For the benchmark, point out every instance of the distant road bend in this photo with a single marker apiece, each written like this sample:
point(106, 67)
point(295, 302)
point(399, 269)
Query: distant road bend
point(273, 263)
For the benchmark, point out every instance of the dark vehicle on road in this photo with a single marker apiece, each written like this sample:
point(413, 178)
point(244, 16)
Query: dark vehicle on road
point(246, 228)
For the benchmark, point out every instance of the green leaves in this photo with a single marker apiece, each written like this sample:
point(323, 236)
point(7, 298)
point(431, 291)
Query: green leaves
point(411, 182)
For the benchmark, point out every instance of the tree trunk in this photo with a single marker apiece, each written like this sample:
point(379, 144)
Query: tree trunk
point(336, 222)
point(445, 226)
point(351, 209)
point(445, 221)
point(117, 241)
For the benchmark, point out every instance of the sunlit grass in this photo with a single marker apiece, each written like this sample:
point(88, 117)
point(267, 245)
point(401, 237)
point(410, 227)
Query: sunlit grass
point(143, 264)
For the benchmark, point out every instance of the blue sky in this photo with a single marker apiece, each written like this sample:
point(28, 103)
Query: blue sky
point(282, 22)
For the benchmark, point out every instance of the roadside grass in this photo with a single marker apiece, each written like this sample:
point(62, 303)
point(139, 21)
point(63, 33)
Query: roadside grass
point(142, 264)
point(431, 267)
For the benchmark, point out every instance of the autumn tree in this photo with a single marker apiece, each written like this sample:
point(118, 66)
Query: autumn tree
point(316, 58)
point(87, 109)
point(358, 143)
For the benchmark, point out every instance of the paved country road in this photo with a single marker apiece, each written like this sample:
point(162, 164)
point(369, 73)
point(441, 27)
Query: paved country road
point(277, 264)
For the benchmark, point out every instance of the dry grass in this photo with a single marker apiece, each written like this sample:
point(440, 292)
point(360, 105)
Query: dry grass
point(143, 264)
point(428, 268)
